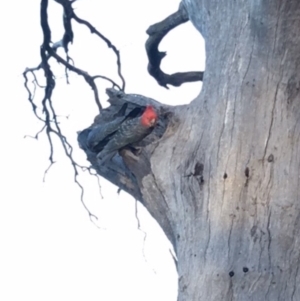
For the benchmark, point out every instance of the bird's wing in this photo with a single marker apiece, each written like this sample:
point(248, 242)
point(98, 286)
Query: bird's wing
point(102, 132)
point(129, 133)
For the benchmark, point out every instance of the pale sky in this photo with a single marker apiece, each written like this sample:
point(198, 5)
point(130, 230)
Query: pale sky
point(49, 249)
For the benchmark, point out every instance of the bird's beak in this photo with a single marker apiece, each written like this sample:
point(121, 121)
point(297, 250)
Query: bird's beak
point(152, 121)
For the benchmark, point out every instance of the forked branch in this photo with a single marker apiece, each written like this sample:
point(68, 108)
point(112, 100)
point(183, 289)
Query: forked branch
point(156, 33)
point(45, 111)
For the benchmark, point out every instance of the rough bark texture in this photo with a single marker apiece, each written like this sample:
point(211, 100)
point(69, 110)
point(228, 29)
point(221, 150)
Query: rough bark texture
point(240, 213)
point(224, 183)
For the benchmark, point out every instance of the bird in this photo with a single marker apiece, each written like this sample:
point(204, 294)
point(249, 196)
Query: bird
point(99, 135)
point(128, 133)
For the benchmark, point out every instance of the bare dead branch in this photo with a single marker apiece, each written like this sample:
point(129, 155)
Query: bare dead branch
point(36, 137)
point(31, 94)
point(48, 115)
point(88, 78)
point(69, 14)
point(156, 33)
point(109, 44)
point(114, 84)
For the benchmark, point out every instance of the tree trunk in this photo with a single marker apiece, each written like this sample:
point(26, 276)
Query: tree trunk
point(224, 182)
point(230, 173)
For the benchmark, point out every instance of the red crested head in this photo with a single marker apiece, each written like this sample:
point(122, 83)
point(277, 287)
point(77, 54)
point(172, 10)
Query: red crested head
point(149, 117)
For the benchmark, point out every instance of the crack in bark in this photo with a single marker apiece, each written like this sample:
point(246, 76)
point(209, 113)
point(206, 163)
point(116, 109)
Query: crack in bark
point(295, 282)
point(252, 286)
point(208, 210)
point(250, 59)
point(229, 237)
point(208, 241)
point(276, 28)
point(271, 123)
point(269, 287)
point(270, 237)
point(208, 188)
point(223, 125)
point(161, 193)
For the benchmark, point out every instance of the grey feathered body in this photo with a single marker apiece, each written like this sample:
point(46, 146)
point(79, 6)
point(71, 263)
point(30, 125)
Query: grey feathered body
point(130, 132)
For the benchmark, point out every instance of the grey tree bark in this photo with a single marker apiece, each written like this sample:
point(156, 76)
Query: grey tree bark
point(223, 180)
point(231, 170)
